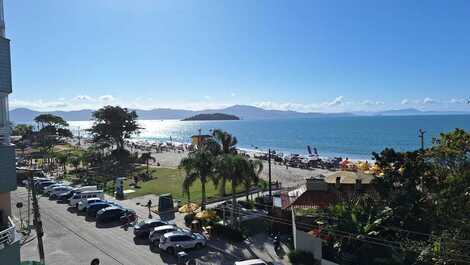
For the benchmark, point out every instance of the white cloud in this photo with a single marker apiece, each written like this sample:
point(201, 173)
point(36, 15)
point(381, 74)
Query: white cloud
point(428, 101)
point(459, 101)
point(372, 103)
point(233, 94)
point(106, 98)
point(405, 101)
point(83, 97)
point(337, 101)
point(207, 97)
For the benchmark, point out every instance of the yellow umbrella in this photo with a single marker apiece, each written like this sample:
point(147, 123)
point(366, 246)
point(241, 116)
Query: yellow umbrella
point(206, 215)
point(188, 208)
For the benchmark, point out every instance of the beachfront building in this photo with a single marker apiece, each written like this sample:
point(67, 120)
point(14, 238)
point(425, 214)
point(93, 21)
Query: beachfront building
point(197, 140)
point(9, 239)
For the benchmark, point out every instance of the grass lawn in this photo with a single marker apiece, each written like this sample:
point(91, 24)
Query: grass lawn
point(169, 180)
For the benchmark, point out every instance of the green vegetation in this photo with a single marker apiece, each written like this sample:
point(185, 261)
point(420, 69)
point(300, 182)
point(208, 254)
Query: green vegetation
point(212, 117)
point(170, 180)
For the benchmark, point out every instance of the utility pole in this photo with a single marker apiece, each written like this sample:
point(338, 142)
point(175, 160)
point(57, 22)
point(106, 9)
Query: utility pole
point(421, 136)
point(79, 137)
point(37, 220)
point(269, 173)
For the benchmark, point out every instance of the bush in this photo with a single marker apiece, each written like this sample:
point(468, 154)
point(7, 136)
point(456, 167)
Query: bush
point(299, 257)
point(188, 219)
point(229, 233)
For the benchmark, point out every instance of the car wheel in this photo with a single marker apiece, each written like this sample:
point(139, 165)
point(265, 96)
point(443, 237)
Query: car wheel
point(171, 250)
point(198, 245)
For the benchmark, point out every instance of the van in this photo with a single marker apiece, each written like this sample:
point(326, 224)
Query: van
point(85, 188)
point(82, 196)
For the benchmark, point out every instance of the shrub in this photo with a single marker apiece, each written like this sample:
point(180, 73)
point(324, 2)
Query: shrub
point(299, 257)
point(188, 219)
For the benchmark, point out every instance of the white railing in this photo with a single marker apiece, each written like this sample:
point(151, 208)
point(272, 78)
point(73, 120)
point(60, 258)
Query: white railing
point(8, 236)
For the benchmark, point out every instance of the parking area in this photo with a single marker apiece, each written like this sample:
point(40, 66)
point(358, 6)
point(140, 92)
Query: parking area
point(71, 238)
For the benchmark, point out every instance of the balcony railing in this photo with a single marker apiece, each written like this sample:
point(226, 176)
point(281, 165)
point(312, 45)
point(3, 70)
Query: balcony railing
point(8, 235)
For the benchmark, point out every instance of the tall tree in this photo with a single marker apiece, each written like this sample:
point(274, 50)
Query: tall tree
point(227, 145)
point(199, 165)
point(234, 168)
point(25, 131)
point(146, 158)
point(113, 125)
point(251, 176)
point(52, 129)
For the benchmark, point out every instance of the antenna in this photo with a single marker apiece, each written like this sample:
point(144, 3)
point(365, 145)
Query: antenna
point(2, 20)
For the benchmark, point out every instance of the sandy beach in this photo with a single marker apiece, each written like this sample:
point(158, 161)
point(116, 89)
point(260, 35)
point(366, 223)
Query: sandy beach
point(288, 177)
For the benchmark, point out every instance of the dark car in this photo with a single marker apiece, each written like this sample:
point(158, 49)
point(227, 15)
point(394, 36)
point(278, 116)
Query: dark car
point(42, 185)
point(64, 197)
point(93, 208)
point(144, 228)
point(115, 214)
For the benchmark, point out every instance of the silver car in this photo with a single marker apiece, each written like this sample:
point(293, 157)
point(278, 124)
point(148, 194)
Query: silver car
point(177, 240)
point(157, 232)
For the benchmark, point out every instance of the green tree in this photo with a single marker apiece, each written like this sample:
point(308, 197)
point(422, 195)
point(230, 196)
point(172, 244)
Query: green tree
point(235, 168)
point(25, 131)
point(199, 165)
point(227, 145)
point(251, 177)
point(52, 130)
point(113, 125)
point(146, 158)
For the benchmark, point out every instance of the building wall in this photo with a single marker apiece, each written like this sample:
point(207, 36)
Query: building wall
point(5, 206)
point(7, 168)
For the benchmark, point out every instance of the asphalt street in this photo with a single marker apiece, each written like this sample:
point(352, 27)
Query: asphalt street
point(71, 239)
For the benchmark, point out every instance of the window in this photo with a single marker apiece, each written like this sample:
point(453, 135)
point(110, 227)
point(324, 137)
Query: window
point(3, 110)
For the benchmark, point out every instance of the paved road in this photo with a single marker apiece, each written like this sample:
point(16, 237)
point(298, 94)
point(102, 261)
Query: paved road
point(70, 239)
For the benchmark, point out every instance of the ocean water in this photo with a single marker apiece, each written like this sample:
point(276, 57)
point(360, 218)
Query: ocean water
point(354, 137)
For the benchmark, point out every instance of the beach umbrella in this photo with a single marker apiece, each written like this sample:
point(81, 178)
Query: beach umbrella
point(188, 208)
point(206, 215)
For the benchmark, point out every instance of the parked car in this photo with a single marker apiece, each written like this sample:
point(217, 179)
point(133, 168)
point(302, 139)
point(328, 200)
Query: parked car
point(48, 189)
point(40, 186)
point(253, 262)
point(83, 205)
point(59, 190)
point(154, 237)
point(181, 239)
point(82, 196)
point(94, 208)
point(114, 214)
point(143, 228)
point(64, 197)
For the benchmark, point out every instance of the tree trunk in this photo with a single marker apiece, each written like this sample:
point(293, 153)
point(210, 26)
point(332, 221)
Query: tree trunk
point(203, 193)
point(147, 167)
point(234, 205)
point(222, 191)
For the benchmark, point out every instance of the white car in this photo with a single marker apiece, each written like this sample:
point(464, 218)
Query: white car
point(177, 240)
point(253, 262)
point(84, 204)
point(159, 231)
point(58, 190)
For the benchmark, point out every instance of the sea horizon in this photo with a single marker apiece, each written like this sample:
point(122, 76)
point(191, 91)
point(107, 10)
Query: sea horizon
point(355, 137)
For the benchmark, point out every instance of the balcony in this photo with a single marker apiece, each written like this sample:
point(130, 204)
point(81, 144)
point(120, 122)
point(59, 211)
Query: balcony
point(9, 245)
point(8, 236)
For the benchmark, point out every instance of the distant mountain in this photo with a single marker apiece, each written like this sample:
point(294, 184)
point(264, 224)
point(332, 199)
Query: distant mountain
point(212, 117)
point(242, 111)
point(410, 112)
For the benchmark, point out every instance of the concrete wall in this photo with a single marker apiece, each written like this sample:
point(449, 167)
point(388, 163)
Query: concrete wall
point(5, 66)
point(309, 243)
point(7, 168)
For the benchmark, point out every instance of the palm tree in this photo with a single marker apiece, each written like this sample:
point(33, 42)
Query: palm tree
point(234, 168)
point(62, 158)
point(227, 144)
point(251, 177)
point(146, 157)
point(199, 165)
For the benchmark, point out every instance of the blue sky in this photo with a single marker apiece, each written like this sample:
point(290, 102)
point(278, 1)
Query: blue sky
point(313, 55)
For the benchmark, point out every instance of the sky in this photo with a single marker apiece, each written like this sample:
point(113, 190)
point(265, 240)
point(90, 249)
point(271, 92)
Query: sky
point(312, 55)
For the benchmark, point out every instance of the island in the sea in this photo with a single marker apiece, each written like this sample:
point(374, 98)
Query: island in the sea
point(212, 117)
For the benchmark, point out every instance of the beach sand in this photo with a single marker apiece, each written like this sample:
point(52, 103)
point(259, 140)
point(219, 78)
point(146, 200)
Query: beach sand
point(290, 177)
